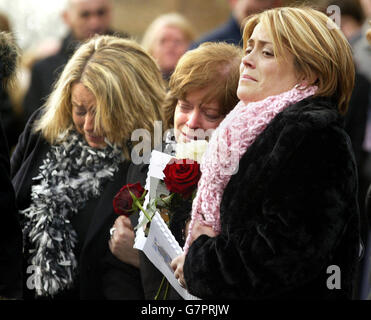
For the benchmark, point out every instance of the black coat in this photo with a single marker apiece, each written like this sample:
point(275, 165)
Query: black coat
point(44, 73)
point(10, 231)
point(10, 121)
point(101, 275)
point(356, 117)
point(288, 214)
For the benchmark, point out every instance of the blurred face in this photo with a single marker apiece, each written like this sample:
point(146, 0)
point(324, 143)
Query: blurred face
point(261, 73)
point(366, 7)
point(193, 117)
point(88, 17)
point(349, 26)
point(169, 46)
point(243, 8)
point(83, 115)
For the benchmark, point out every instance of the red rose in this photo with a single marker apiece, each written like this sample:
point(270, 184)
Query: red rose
point(181, 176)
point(123, 200)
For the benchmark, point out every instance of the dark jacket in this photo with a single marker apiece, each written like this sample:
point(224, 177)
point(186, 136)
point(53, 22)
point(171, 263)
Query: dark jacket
point(10, 121)
point(229, 32)
point(356, 117)
point(101, 275)
point(10, 231)
point(288, 214)
point(44, 73)
point(355, 126)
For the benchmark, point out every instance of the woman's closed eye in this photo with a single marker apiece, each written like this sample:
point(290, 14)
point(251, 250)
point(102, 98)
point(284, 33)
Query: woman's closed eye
point(211, 115)
point(185, 107)
point(265, 52)
point(82, 111)
point(79, 111)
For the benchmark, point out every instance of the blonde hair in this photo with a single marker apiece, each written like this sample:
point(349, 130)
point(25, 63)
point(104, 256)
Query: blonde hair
point(211, 65)
point(166, 20)
point(320, 50)
point(368, 33)
point(125, 81)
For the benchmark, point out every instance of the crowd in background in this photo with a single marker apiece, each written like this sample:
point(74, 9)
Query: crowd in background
point(167, 39)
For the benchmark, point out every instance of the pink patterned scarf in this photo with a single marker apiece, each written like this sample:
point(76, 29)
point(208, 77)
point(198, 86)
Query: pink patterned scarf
point(229, 142)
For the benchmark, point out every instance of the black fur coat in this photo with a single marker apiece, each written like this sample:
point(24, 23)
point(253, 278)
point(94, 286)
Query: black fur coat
point(288, 214)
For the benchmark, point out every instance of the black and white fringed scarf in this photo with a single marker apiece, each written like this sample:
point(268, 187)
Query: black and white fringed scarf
point(71, 173)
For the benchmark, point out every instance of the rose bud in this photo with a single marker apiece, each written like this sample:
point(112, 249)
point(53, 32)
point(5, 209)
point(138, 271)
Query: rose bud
point(123, 202)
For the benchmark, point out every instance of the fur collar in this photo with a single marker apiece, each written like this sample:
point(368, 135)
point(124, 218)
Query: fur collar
point(71, 174)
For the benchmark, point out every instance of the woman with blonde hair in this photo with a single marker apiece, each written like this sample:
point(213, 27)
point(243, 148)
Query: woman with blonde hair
point(276, 213)
point(167, 38)
point(71, 160)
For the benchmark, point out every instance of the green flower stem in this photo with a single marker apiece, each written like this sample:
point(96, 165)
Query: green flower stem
point(166, 290)
point(159, 289)
point(138, 204)
point(167, 200)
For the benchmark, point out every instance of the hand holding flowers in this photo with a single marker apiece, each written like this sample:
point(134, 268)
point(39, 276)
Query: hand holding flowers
point(122, 241)
point(126, 202)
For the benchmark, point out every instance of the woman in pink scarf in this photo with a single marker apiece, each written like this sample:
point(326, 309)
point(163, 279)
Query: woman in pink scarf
point(276, 206)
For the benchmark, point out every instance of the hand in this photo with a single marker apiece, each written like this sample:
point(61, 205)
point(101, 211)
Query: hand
point(177, 265)
point(122, 242)
point(199, 229)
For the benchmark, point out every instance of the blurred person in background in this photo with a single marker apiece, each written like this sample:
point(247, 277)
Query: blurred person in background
point(231, 31)
point(352, 18)
point(366, 292)
point(10, 231)
point(362, 57)
point(10, 103)
point(361, 48)
point(167, 38)
point(84, 18)
point(365, 289)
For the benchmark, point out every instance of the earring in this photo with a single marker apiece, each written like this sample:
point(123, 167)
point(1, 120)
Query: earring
point(299, 86)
